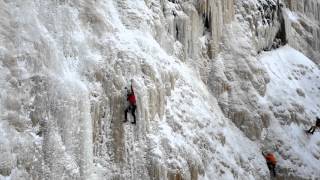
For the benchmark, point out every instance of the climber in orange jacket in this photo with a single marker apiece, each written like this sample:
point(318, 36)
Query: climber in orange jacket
point(271, 162)
point(132, 104)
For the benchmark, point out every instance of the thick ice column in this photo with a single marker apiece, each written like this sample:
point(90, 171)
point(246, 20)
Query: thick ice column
point(310, 8)
point(86, 148)
point(218, 13)
point(228, 11)
point(308, 23)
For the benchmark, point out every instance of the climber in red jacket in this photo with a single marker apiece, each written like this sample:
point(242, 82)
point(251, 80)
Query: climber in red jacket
point(132, 104)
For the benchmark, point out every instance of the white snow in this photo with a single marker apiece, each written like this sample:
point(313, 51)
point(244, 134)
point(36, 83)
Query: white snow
point(290, 70)
point(293, 17)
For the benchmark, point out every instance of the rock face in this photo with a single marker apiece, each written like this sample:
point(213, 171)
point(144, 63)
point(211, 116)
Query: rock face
point(207, 103)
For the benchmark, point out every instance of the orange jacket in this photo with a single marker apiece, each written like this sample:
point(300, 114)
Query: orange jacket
point(270, 158)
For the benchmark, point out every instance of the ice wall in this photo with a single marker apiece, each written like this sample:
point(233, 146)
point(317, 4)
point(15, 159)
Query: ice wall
point(45, 112)
point(215, 14)
point(309, 8)
point(197, 26)
point(64, 66)
point(202, 111)
point(240, 81)
point(304, 28)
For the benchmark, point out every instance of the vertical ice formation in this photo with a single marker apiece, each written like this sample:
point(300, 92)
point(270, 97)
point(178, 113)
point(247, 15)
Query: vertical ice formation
point(304, 28)
point(202, 106)
point(240, 81)
point(197, 26)
point(46, 108)
point(197, 20)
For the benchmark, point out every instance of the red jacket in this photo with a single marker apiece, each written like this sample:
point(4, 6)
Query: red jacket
point(131, 97)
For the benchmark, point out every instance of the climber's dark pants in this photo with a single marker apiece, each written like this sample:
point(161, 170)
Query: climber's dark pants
point(132, 108)
point(272, 169)
point(312, 129)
